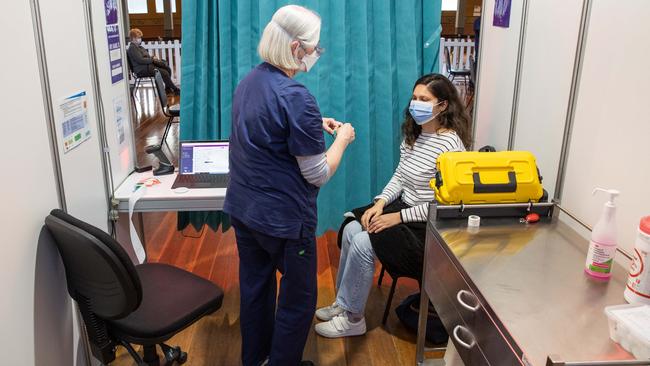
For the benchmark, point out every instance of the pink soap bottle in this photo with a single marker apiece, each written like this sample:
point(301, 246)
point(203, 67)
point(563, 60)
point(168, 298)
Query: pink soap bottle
point(602, 247)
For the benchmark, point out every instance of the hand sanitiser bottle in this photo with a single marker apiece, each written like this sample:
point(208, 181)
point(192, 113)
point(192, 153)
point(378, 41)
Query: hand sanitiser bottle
point(602, 247)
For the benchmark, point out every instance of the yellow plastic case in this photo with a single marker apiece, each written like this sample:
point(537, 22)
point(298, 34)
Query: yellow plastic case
point(471, 177)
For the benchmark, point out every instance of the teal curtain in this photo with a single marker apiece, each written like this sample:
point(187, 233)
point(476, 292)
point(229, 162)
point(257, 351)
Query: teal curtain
point(375, 50)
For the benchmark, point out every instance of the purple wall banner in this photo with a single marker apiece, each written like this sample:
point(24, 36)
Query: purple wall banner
point(114, 43)
point(502, 13)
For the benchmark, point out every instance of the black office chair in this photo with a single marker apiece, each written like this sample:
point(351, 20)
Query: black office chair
point(469, 97)
point(121, 303)
point(452, 71)
point(171, 112)
point(393, 286)
point(138, 80)
point(397, 270)
point(472, 72)
point(391, 293)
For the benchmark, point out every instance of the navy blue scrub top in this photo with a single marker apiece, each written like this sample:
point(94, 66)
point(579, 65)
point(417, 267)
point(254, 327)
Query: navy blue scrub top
point(274, 119)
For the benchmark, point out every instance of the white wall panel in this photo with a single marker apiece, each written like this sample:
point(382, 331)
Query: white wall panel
point(121, 155)
point(28, 188)
point(69, 71)
point(496, 77)
point(611, 133)
point(549, 54)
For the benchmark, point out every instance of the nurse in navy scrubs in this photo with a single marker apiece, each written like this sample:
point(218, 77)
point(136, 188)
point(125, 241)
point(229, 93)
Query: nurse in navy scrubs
point(278, 161)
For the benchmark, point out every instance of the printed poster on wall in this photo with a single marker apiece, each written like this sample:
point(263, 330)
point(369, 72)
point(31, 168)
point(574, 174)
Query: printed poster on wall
point(113, 36)
point(120, 118)
point(74, 110)
point(502, 13)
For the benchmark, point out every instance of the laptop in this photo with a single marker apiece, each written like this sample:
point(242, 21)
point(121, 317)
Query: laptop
point(202, 164)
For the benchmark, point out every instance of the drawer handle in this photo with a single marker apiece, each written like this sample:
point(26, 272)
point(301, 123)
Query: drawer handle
point(462, 303)
point(469, 345)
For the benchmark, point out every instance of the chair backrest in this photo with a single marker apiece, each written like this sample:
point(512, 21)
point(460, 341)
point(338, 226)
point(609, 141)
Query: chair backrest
point(448, 59)
point(100, 275)
point(472, 70)
point(160, 89)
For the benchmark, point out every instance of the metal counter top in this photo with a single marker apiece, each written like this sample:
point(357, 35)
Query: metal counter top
point(531, 278)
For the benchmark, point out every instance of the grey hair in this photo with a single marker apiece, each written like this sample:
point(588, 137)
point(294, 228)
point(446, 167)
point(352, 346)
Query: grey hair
point(289, 23)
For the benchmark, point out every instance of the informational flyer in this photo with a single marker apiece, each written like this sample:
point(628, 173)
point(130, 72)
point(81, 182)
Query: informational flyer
point(120, 118)
point(74, 112)
point(502, 13)
point(113, 36)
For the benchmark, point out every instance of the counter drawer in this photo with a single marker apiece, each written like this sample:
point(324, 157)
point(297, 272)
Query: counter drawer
point(459, 332)
point(457, 305)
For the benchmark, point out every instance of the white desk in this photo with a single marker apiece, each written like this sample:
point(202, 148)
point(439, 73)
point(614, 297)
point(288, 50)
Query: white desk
point(161, 197)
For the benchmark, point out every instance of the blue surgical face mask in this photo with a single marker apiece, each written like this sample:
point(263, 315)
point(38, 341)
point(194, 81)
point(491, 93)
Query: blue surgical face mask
point(422, 112)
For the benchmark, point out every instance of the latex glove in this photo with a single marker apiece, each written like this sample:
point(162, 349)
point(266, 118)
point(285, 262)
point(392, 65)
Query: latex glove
point(330, 125)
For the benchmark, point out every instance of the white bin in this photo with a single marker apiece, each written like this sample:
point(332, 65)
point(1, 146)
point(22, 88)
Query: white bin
point(629, 326)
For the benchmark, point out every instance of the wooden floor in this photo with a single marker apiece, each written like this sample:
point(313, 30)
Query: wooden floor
point(149, 125)
point(215, 340)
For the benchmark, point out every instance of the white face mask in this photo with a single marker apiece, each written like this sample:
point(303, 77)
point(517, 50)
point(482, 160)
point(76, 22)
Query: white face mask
point(137, 41)
point(308, 61)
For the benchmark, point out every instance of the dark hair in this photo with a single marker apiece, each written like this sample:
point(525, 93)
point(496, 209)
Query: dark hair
point(454, 117)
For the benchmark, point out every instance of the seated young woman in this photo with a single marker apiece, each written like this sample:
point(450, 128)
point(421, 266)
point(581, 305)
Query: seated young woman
point(434, 122)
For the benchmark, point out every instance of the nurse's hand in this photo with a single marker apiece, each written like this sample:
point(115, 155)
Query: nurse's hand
point(330, 124)
point(383, 222)
point(345, 132)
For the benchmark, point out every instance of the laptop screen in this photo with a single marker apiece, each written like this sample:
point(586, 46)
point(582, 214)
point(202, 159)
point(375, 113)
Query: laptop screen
point(204, 157)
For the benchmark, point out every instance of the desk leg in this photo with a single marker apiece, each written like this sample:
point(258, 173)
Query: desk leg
point(142, 237)
point(422, 327)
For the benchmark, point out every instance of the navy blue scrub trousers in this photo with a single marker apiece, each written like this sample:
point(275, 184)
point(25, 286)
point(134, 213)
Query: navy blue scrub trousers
point(281, 333)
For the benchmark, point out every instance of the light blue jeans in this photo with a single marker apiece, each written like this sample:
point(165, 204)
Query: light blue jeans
point(356, 269)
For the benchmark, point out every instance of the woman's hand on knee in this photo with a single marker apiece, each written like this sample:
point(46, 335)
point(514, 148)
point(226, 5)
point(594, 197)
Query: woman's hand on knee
point(372, 212)
point(383, 222)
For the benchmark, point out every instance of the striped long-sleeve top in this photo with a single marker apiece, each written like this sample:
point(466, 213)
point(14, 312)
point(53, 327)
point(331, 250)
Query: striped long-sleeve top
point(417, 166)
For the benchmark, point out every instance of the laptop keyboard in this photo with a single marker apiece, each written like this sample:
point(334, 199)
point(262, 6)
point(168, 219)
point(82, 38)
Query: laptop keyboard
point(201, 180)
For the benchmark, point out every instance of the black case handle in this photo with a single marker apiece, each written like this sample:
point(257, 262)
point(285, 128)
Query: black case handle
point(438, 179)
point(509, 187)
point(487, 148)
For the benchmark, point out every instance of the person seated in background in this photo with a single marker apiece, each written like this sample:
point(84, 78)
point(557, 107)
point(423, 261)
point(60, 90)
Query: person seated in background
point(145, 66)
point(435, 122)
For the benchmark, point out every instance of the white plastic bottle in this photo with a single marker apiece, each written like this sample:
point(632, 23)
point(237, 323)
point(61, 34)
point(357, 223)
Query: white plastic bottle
point(602, 247)
point(638, 281)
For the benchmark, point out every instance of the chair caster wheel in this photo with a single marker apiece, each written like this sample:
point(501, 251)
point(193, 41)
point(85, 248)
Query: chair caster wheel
point(182, 358)
point(175, 354)
point(171, 354)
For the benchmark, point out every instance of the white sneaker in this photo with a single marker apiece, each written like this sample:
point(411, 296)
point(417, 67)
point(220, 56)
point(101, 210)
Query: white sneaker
point(341, 326)
point(327, 313)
